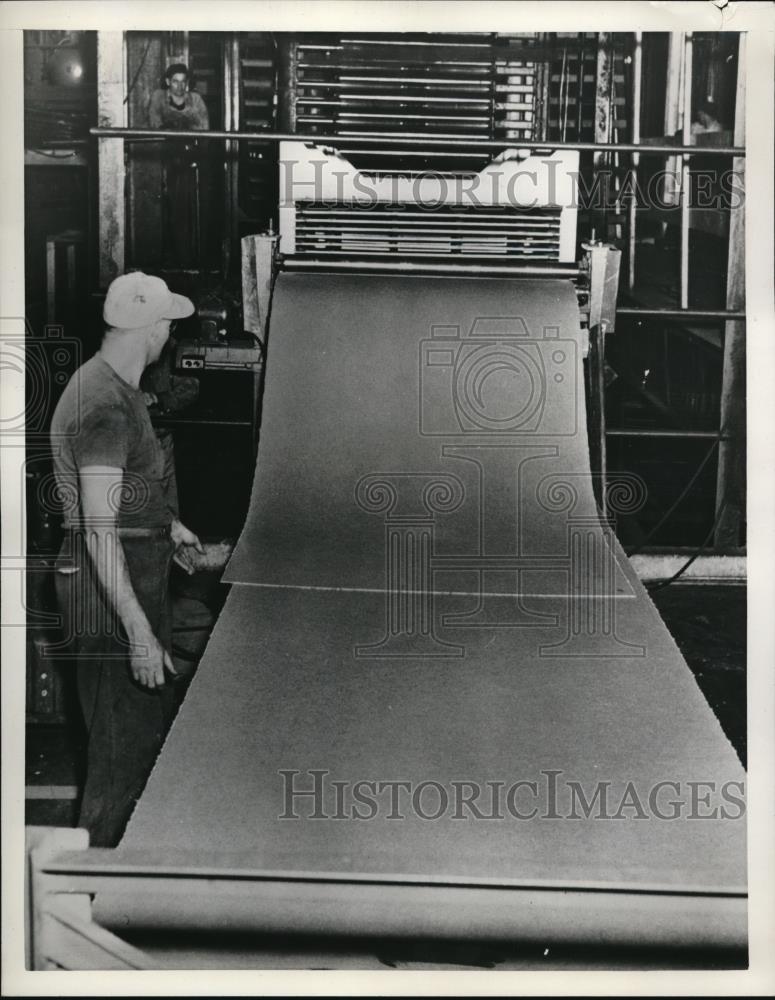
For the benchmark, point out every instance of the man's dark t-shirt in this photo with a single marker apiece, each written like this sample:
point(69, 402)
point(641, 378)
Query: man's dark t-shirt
point(102, 420)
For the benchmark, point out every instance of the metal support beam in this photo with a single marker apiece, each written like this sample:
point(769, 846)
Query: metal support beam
point(111, 112)
point(674, 85)
point(647, 432)
point(603, 113)
point(637, 73)
point(730, 482)
point(286, 97)
point(685, 175)
point(144, 236)
point(595, 369)
point(177, 47)
point(686, 314)
point(231, 119)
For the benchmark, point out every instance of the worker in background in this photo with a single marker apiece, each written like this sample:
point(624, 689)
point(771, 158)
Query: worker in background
point(120, 536)
point(175, 106)
point(186, 177)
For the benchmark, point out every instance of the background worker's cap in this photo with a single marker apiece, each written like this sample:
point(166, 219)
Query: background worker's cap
point(136, 300)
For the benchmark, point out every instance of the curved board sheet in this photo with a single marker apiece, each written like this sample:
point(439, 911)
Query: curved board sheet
point(389, 398)
point(435, 663)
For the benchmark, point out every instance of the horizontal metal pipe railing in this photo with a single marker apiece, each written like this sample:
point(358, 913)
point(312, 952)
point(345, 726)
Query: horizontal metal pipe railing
point(647, 432)
point(426, 141)
point(667, 313)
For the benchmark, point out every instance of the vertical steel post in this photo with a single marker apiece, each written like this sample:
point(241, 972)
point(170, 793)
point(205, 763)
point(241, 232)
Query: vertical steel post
point(637, 72)
point(177, 47)
point(231, 122)
point(603, 113)
point(685, 176)
point(144, 174)
point(286, 98)
point(596, 358)
point(673, 92)
point(730, 482)
point(111, 113)
point(673, 105)
point(543, 80)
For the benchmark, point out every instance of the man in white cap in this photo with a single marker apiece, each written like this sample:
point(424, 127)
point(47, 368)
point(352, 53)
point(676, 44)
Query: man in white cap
point(120, 536)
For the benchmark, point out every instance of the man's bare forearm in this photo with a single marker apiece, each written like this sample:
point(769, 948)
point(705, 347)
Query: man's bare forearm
point(99, 487)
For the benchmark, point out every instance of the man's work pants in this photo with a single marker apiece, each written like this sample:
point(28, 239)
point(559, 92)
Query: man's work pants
point(126, 723)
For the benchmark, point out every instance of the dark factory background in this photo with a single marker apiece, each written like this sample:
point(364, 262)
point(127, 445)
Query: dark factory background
point(674, 396)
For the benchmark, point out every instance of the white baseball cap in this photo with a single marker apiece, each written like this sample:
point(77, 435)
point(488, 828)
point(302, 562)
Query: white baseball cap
point(136, 300)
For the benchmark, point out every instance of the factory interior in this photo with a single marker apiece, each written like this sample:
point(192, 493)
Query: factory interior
point(653, 250)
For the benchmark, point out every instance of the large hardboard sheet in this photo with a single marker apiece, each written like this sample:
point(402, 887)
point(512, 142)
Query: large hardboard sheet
point(285, 686)
point(423, 478)
point(395, 398)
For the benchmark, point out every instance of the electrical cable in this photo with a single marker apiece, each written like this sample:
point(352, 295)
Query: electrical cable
point(681, 497)
point(138, 71)
point(697, 553)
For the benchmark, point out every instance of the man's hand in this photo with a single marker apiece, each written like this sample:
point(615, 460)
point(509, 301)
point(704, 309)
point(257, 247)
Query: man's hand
point(151, 399)
point(184, 539)
point(149, 660)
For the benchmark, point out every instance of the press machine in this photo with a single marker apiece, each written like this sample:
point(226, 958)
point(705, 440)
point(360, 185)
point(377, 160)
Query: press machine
point(517, 218)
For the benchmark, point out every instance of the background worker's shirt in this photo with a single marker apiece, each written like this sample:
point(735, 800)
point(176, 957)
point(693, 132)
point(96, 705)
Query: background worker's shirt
point(162, 113)
point(102, 420)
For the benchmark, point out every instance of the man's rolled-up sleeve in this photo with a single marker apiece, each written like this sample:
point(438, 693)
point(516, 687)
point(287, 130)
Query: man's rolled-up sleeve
point(200, 117)
point(103, 439)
